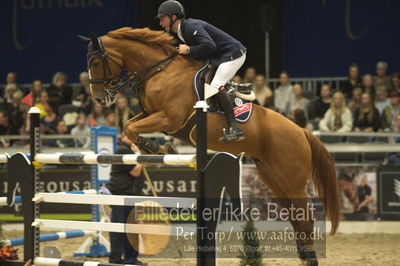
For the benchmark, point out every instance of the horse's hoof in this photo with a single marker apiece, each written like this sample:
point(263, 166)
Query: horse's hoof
point(309, 262)
point(170, 148)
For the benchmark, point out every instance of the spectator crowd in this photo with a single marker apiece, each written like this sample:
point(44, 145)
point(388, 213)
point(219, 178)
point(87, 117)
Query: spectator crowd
point(64, 110)
point(368, 103)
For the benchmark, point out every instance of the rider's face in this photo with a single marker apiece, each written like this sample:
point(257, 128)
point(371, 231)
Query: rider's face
point(165, 22)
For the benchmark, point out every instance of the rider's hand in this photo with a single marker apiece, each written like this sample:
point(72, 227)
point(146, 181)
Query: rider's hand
point(183, 49)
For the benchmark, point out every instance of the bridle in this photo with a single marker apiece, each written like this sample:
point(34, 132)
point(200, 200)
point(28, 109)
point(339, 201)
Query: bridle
point(113, 85)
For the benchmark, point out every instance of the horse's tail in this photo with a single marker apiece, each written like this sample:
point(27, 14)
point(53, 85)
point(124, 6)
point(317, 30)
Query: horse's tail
point(324, 178)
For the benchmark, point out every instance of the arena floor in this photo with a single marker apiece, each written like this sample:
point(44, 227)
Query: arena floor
point(342, 249)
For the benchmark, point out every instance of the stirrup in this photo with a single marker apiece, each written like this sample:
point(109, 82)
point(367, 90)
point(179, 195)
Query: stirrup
point(231, 135)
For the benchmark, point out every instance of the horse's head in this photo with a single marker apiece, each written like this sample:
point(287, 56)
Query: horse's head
point(104, 71)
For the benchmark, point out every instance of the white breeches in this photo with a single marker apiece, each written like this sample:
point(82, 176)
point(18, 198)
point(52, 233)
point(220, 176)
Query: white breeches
point(226, 71)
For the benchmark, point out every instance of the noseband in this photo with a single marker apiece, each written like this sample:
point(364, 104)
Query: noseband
point(113, 85)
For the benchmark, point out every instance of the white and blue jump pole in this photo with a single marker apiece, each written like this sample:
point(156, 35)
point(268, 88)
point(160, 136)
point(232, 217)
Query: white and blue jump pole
point(52, 237)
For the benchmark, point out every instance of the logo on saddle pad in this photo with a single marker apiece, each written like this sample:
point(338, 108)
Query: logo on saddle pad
point(242, 112)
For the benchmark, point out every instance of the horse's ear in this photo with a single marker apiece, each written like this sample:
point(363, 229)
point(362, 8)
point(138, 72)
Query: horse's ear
point(85, 39)
point(95, 41)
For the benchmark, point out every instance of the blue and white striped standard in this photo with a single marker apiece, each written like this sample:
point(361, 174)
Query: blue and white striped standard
point(52, 237)
point(62, 158)
point(40, 261)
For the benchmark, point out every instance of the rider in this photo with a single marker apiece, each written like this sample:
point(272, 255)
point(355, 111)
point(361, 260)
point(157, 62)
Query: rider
point(206, 42)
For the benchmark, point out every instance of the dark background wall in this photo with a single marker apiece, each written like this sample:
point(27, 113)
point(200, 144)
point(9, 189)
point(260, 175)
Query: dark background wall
point(39, 36)
point(323, 37)
point(308, 38)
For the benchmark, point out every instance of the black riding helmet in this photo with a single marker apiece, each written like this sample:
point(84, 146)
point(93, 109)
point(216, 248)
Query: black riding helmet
point(171, 7)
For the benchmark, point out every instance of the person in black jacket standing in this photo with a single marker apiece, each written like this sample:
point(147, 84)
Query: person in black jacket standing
point(124, 180)
point(204, 42)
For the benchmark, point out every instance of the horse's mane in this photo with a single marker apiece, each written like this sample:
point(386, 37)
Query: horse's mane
point(146, 35)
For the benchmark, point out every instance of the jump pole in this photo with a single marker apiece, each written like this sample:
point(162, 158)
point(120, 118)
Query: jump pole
point(51, 237)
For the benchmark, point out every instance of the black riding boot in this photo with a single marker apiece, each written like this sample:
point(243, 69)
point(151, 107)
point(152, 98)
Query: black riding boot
point(234, 132)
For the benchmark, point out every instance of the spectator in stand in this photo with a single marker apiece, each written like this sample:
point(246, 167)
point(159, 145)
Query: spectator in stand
point(394, 157)
point(9, 93)
point(381, 78)
point(283, 93)
point(43, 101)
point(37, 88)
point(249, 75)
point(110, 117)
point(25, 130)
point(263, 93)
point(48, 123)
point(368, 85)
point(96, 118)
point(366, 117)
point(6, 128)
point(61, 129)
point(352, 82)
point(297, 101)
point(81, 132)
point(338, 117)
point(17, 109)
point(381, 100)
point(390, 112)
point(122, 112)
point(355, 101)
point(395, 81)
point(11, 78)
point(298, 116)
point(59, 91)
point(237, 79)
point(322, 104)
point(81, 97)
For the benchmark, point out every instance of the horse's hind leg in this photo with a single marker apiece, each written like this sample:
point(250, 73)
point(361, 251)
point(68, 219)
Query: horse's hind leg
point(303, 227)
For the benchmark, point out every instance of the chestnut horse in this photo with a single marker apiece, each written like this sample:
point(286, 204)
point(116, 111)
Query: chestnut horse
point(285, 155)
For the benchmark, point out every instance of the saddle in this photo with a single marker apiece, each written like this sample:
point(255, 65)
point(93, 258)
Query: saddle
point(240, 95)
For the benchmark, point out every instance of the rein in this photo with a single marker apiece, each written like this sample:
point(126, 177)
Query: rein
point(134, 80)
point(137, 78)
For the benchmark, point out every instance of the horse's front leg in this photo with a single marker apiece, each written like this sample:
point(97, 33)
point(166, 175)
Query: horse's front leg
point(156, 122)
point(134, 119)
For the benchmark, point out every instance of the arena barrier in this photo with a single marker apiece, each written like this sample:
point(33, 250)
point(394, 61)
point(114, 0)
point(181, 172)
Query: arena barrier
point(222, 174)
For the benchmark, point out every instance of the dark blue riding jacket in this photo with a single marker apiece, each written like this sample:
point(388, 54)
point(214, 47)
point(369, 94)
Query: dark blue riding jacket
point(210, 43)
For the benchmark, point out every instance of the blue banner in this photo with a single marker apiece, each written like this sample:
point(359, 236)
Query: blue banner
point(39, 37)
point(323, 37)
